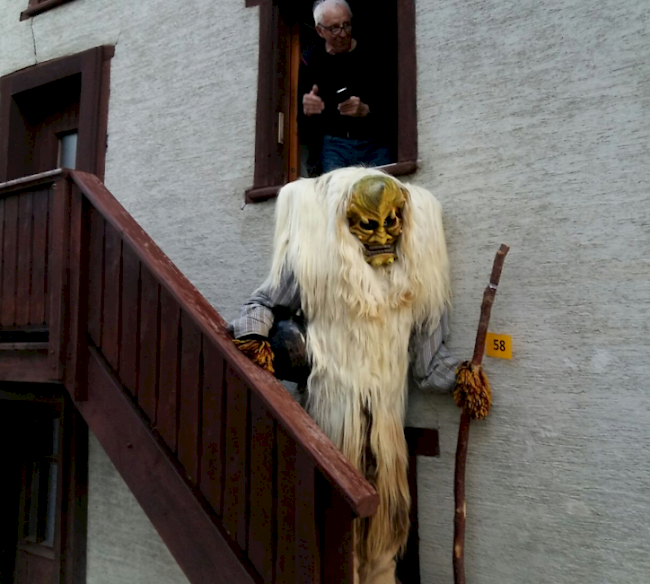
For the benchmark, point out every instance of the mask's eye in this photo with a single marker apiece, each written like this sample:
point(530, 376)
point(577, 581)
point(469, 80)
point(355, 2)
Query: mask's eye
point(390, 222)
point(369, 225)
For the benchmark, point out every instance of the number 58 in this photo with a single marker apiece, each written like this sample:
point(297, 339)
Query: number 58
point(499, 346)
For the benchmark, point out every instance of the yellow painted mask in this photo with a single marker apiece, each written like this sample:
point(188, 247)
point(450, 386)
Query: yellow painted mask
point(375, 217)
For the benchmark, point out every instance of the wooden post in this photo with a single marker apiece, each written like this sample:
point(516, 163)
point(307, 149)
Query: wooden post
point(460, 514)
point(57, 270)
point(77, 358)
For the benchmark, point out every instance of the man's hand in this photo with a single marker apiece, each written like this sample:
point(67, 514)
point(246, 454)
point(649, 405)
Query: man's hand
point(311, 103)
point(354, 107)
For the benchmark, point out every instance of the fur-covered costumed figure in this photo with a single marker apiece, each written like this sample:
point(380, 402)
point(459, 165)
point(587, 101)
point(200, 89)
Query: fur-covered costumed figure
point(363, 256)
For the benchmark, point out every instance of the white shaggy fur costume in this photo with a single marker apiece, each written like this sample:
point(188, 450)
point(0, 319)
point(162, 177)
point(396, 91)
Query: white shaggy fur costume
point(360, 322)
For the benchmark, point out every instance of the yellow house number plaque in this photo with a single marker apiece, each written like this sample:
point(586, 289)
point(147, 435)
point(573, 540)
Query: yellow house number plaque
point(499, 346)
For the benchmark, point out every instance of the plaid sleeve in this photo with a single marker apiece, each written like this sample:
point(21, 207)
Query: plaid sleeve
point(433, 367)
point(256, 315)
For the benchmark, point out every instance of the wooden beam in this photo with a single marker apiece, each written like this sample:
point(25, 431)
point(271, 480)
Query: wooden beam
point(35, 9)
point(57, 271)
point(29, 366)
point(154, 478)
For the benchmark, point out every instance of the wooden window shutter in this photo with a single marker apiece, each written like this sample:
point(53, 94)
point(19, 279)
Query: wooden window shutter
point(276, 128)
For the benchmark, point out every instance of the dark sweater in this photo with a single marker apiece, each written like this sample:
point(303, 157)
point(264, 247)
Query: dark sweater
point(356, 70)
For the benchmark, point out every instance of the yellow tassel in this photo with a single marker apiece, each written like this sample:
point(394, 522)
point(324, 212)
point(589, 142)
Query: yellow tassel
point(258, 351)
point(472, 391)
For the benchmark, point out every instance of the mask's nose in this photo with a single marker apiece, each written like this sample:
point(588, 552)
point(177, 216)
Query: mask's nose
point(379, 236)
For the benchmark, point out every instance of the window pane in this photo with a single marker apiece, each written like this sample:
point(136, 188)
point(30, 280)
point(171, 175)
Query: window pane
point(31, 507)
point(55, 439)
point(39, 524)
point(68, 150)
point(50, 518)
point(50, 521)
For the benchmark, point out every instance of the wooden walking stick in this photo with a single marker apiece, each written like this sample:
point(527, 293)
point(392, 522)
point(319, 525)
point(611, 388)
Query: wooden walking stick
point(474, 396)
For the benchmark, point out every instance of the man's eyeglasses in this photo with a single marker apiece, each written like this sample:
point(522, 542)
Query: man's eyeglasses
point(337, 28)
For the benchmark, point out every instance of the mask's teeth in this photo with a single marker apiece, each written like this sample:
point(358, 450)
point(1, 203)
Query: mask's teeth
point(378, 249)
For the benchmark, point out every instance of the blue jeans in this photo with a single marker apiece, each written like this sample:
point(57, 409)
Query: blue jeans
point(341, 152)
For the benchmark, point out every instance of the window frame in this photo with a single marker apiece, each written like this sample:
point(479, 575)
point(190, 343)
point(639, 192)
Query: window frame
point(37, 6)
point(269, 176)
point(94, 67)
point(69, 550)
point(38, 545)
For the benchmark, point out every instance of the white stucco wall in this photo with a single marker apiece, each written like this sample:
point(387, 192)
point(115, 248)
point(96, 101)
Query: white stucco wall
point(534, 125)
point(534, 131)
point(123, 545)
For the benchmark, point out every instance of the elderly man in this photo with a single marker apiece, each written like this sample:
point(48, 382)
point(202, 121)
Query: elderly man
point(342, 99)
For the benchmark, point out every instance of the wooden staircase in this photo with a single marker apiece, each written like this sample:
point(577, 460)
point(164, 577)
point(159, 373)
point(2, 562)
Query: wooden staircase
point(238, 480)
point(240, 483)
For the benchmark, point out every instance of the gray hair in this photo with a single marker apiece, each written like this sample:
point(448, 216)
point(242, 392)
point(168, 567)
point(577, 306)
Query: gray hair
point(322, 6)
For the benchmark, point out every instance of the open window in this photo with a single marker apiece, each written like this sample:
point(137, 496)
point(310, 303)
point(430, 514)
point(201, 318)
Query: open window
point(286, 30)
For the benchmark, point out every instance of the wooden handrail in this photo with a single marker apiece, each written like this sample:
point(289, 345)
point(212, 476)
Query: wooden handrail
point(27, 182)
point(344, 478)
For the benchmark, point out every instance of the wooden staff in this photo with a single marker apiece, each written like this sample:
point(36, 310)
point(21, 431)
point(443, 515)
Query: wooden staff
point(474, 396)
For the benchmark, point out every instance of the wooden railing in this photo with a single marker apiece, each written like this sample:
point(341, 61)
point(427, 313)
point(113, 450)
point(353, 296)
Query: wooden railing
point(31, 279)
point(239, 481)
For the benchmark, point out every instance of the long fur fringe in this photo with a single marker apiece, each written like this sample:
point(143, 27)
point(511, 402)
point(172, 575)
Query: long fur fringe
point(360, 320)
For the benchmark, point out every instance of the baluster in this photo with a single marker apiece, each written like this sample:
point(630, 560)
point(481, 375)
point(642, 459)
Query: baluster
point(166, 412)
point(39, 258)
point(77, 301)
point(285, 570)
point(9, 248)
point(130, 345)
point(213, 418)
point(110, 343)
point(307, 534)
point(262, 498)
point(57, 272)
point(335, 520)
point(189, 429)
point(148, 358)
point(24, 267)
point(95, 275)
point(234, 496)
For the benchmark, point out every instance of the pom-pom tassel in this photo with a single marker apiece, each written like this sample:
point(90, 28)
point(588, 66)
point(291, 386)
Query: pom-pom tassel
point(472, 391)
point(258, 351)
